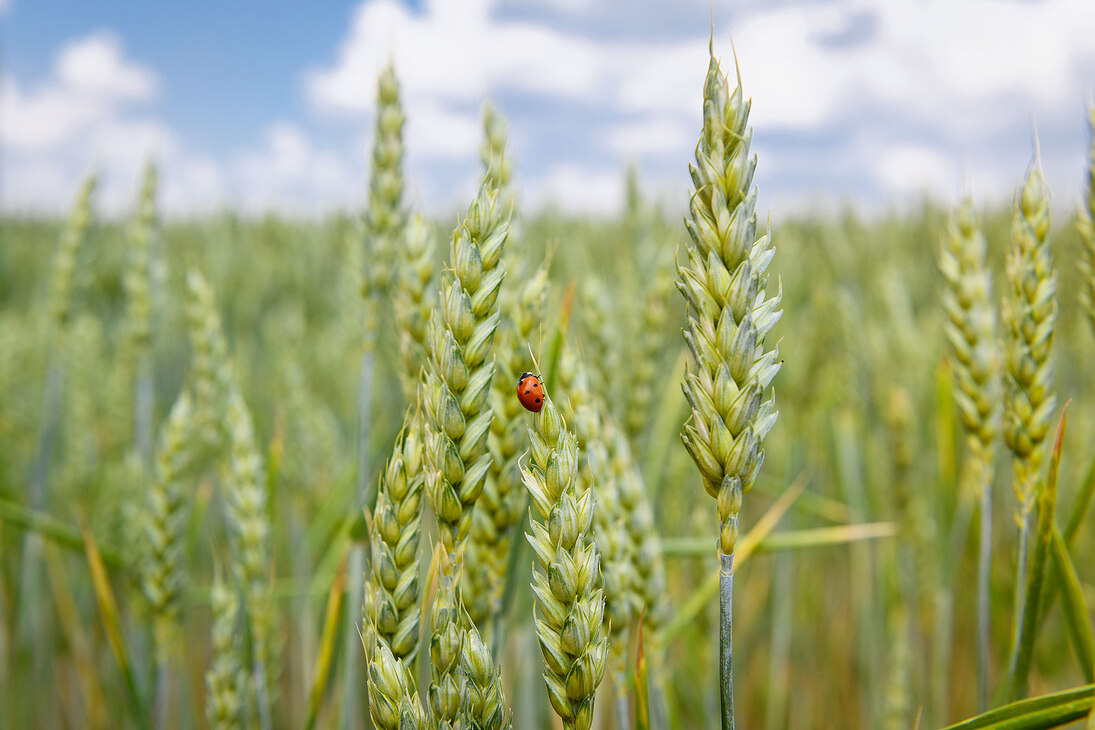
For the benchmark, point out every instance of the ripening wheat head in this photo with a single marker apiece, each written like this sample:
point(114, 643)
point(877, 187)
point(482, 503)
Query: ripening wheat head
point(971, 332)
point(567, 582)
point(1029, 314)
point(724, 282)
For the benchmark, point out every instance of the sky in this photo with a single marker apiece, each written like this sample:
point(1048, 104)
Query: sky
point(875, 104)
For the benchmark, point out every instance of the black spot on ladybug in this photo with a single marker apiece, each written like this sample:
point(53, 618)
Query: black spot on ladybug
point(537, 400)
point(527, 392)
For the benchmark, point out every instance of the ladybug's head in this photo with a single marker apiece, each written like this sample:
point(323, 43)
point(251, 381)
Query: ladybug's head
point(523, 376)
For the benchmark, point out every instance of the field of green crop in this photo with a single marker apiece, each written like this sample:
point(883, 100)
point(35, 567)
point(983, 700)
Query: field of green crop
point(274, 474)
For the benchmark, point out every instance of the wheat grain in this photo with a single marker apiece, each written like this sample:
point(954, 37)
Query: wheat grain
point(392, 704)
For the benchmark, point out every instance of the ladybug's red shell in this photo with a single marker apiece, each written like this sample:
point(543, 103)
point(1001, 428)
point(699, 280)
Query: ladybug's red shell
point(530, 392)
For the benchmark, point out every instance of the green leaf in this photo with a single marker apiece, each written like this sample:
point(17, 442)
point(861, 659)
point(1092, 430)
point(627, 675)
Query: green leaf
point(1047, 503)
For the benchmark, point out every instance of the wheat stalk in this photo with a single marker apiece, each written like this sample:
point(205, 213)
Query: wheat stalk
point(381, 228)
point(971, 332)
point(724, 282)
point(589, 416)
point(226, 420)
point(1029, 314)
point(249, 537)
point(162, 567)
point(139, 309)
point(567, 588)
point(461, 332)
point(501, 506)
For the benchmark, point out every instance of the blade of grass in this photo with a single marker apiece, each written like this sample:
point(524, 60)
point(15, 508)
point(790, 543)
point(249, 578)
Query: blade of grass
point(788, 540)
point(1083, 501)
point(1047, 711)
point(811, 503)
point(642, 694)
point(745, 547)
point(50, 527)
point(1047, 503)
point(108, 612)
point(1075, 519)
point(75, 636)
point(1075, 607)
point(327, 643)
point(668, 417)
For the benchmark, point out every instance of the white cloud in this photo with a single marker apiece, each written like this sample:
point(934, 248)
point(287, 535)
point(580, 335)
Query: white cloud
point(913, 169)
point(578, 189)
point(852, 98)
point(86, 116)
point(649, 136)
point(92, 115)
point(909, 92)
point(288, 174)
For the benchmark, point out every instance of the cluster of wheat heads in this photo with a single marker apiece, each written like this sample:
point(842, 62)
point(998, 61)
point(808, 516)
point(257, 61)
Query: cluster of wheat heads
point(208, 445)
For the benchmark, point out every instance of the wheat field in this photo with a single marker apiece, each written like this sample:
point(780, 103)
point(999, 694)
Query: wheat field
point(788, 472)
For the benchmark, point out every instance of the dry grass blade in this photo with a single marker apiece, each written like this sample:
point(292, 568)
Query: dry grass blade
point(327, 643)
point(92, 689)
point(53, 529)
point(642, 693)
point(108, 612)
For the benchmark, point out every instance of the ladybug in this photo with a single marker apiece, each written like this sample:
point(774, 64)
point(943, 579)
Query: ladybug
point(530, 392)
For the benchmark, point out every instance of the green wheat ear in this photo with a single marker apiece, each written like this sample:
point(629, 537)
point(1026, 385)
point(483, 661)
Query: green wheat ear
point(971, 332)
point(224, 680)
point(566, 585)
point(1029, 314)
point(393, 705)
point(725, 282)
point(391, 604)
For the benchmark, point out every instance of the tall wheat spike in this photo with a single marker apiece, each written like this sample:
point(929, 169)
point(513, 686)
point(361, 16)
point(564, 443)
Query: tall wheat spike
point(1029, 314)
point(138, 278)
point(501, 506)
point(724, 282)
point(566, 585)
point(971, 332)
point(461, 369)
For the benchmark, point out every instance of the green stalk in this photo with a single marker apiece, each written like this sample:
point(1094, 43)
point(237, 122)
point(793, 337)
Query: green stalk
point(1075, 607)
point(726, 639)
point(984, 604)
point(1075, 519)
point(1047, 503)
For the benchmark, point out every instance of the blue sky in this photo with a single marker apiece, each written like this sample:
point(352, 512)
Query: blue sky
point(269, 106)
